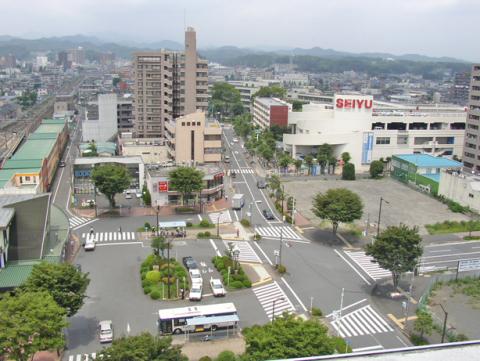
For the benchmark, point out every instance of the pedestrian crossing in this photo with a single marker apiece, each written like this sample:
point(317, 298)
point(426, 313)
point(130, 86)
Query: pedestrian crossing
point(101, 237)
point(363, 321)
point(243, 170)
point(78, 221)
point(220, 217)
point(365, 262)
point(277, 231)
point(247, 254)
point(268, 294)
point(83, 357)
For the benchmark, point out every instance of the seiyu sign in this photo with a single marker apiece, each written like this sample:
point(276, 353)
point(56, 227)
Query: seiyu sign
point(468, 265)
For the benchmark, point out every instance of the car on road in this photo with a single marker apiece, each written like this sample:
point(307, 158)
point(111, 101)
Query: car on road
point(128, 195)
point(195, 292)
point(226, 159)
point(217, 287)
point(89, 244)
point(189, 263)
point(233, 174)
point(138, 195)
point(88, 203)
point(261, 184)
point(235, 140)
point(268, 214)
point(105, 331)
point(195, 276)
point(61, 164)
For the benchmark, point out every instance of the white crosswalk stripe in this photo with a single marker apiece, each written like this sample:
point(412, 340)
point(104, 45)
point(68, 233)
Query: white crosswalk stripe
point(82, 357)
point(102, 237)
point(224, 216)
point(267, 294)
point(365, 262)
point(275, 232)
point(77, 221)
point(247, 254)
point(243, 170)
point(363, 321)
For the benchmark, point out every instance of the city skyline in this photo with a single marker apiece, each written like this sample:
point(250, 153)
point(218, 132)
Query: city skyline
point(412, 26)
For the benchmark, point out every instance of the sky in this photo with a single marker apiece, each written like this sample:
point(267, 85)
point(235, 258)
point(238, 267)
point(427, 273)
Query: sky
point(429, 27)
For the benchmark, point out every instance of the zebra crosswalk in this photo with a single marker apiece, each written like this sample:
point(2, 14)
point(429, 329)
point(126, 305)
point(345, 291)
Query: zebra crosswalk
point(365, 262)
point(78, 221)
point(243, 170)
point(363, 321)
point(247, 254)
point(101, 237)
point(271, 294)
point(277, 231)
point(83, 357)
point(220, 217)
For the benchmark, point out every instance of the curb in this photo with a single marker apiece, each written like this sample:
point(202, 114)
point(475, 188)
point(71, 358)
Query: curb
point(264, 281)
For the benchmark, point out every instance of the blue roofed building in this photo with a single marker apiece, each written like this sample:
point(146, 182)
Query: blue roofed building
point(421, 170)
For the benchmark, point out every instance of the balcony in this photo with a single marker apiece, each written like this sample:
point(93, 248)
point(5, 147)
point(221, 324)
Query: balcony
point(212, 157)
point(212, 143)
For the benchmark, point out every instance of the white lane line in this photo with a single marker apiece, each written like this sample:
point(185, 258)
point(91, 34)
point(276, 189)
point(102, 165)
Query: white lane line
point(403, 342)
point(369, 348)
point(450, 243)
point(441, 250)
point(347, 307)
point(264, 254)
point(475, 247)
point(294, 294)
point(236, 215)
point(356, 271)
point(84, 224)
point(215, 248)
point(118, 244)
point(451, 255)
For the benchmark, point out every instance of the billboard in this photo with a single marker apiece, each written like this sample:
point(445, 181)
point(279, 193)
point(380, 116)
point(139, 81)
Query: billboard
point(367, 147)
point(466, 265)
point(163, 186)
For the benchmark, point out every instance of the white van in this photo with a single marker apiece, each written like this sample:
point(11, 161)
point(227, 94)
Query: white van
point(89, 244)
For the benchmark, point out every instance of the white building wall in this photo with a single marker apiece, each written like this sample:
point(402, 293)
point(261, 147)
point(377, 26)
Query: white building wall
point(461, 189)
point(104, 128)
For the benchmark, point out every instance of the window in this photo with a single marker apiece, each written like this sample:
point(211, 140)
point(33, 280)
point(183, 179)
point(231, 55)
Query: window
point(198, 123)
point(402, 139)
point(183, 124)
point(470, 195)
point(27, 179)
point(188, 124)
point(383, 140)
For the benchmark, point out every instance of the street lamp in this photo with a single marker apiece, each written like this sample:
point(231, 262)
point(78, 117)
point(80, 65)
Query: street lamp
point(380, 214)
point(168, 267)
point(273, 306)
point(156, 226)
point(280, 248)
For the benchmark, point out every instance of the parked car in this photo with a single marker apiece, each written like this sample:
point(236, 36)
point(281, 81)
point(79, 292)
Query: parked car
point(217, 287)
point(235, 140)
point(138, 195)
point(195, 276)
point(88, 203)
point(61, 164)
point(89, 244)
point(261, 184)
point(195, 292)
point(128, 195)
point(189, 263)
point(268, 214)
point(105, 331)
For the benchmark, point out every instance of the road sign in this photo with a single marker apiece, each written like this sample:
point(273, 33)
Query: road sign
point(469, 265)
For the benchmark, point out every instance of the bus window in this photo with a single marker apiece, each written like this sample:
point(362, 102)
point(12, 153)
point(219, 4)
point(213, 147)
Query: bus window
point(166, 326)
point(180, 322)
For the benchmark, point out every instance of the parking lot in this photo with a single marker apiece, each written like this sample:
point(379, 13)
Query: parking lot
point(405, 205)
point(115, 292)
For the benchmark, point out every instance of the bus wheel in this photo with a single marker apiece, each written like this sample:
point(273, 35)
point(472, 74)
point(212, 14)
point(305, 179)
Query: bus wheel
point(177, 331)
point(214, 327)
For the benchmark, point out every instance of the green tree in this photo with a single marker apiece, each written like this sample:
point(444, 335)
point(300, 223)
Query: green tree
point(226, 356)
point(27, 99)
point(30, 322)
point(346, 157)
point(159, 245)
point(146, 196)
point(186, 180)
point(115, 81)
point(144, 347)
point(298, 165)
point(309, 162)
point(397, 249)
point(271, 91)
point(274, 182)
point(288, 337)
point(297, 105)
point(376, 169)
point(348, 171)
point(226, 99)
point(332, 162)
point(63, 281)
point(111, 179)
point(324, 153)
point(285, 161)
point(338, 205)
point(424, 323)
point(91, 150)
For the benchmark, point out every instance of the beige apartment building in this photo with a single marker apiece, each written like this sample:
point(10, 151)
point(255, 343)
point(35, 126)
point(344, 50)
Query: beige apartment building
point(168, 85)
point(471, 150)
point(193, 138)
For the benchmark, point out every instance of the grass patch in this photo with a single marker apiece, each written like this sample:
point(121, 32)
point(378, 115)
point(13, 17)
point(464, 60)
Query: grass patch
point(471, 238)
point(453, 227)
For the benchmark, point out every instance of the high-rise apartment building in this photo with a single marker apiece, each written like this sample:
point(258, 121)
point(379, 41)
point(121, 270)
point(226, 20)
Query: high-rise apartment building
point(168, 85)
point(471, 150)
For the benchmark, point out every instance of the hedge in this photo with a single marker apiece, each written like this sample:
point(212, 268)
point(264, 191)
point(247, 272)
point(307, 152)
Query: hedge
point(238, 279)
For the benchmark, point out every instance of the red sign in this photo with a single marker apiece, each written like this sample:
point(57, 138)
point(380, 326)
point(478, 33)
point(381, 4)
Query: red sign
point(163, 186)
point(354, 103)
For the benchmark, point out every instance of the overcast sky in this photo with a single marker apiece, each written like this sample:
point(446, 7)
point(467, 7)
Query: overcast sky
point(430, 27)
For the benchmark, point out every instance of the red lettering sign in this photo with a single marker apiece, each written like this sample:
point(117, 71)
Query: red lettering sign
point(163, 186)
point(354, 103)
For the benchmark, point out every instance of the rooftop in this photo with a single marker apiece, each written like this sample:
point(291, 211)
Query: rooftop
point(15, 274)
point(271, 101)
point(426, 160)
point(163, 171)
point(99, 160)
point(35, 149)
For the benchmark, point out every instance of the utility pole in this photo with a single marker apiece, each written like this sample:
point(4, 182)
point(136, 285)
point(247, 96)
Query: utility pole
point(341, 302)
point(380, 214)
point(293, 211)
point(280, 248)
point(156, 226)
point(168, 268)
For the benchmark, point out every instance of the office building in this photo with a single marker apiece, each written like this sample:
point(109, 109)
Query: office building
point(270, 111)
point(460, 89)
point(471, 153)
point(101, 125)
point(168, 85)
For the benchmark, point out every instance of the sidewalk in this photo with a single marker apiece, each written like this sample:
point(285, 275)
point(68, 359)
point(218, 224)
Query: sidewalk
point(195, 350)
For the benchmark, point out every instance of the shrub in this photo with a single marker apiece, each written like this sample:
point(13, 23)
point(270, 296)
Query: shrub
point(317, 312)
point(418, 340)
point(147, 289)
point(205, 358)
point(147, 226)
point(340, 345)
point(207, 234)
point(348, 172)
point(236, 284)
point(376, 169)
point(257, 237)
point(247, 283)
point(185, 210)
point(153, 276)
point(200, 235)
point(245, 222)
point(226, 356)
point(189, 224)
point(205, 224)
point(457, 337)
point(155, 294)
point(281, 269)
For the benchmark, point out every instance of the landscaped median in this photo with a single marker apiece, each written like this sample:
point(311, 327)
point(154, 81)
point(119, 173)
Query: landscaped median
point(236, 277)
point(453, 227)
point(155, 277)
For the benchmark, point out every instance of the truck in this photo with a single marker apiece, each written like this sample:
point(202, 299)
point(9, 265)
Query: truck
point(238, 200)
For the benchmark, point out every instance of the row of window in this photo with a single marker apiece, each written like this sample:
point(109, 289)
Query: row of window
point(188, 124)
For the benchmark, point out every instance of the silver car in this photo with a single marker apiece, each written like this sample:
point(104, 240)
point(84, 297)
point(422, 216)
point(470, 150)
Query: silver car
point(105, 331)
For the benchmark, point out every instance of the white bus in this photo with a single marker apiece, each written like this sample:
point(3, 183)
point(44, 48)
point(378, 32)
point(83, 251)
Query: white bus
point(197, 318)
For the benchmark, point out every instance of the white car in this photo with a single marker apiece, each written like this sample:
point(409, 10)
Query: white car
point(89, 244)
point(105, 331)
point(217, 287)
point(235, 140)
point(195, 292)
point(195, 276)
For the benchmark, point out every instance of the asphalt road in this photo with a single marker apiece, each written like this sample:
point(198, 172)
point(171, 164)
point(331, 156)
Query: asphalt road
point(447, 255)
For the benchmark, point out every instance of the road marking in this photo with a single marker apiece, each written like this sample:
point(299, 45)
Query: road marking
point(349, 306)
point(450, 255)
point(356, 271)
point(440, 250)
point(450, 243)
point(215, 248)
point(118, 244)
point(264, 254)
point(372, 269)
point(294, 294)
point(285, 232)
point(475, 247)
point(403, 342)
point(247, 254)
point(272, 293)
point(82, 357)
point(363, 321)
point(236, 215)
point(369, 348)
